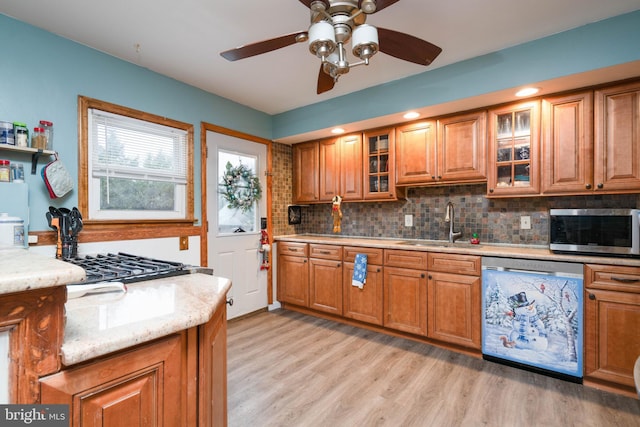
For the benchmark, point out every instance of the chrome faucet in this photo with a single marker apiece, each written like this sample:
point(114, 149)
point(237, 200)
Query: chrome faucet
point(453, 235)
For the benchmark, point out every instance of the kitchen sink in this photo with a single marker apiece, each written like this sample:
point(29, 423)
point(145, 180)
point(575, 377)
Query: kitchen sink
point(439, 244)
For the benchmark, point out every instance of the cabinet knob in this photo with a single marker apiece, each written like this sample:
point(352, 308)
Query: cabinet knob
point(430, 277)
point(439, 176)
point(491, 190)
point(588, 186)
point(600, 186)
point(433, 177)
point(592, 297)
point(305, 261)
point(338, 265)
point(230, 301)
point(378, 270)
point(422, 275)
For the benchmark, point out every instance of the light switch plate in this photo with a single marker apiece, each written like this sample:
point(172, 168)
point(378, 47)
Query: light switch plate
point(525, 223)
point(408, 220)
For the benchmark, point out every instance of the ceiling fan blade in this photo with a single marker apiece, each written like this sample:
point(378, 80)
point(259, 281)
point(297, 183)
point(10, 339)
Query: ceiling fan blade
point(261, 47)
point(325, 81)
point(406, 47)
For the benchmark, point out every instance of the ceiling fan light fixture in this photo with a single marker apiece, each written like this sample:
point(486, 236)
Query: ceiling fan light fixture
point(322, 39)
point(365, 41)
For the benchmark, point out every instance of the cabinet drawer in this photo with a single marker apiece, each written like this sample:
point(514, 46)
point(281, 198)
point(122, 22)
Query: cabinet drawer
point(455, 264)
point(414, 260)
point(325, 251)
point(293, 248)
point(611, 277)
point(374, 255)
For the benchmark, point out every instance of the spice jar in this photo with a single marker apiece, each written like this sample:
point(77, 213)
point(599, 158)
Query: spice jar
point(48, 132)
point(21, 134)
point(17, 172)
point(39, 139)
point(5, 171)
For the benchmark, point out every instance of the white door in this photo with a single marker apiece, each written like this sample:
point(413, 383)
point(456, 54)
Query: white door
point(234, 232)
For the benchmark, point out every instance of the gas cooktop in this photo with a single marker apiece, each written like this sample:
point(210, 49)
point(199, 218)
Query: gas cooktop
point(127, 268)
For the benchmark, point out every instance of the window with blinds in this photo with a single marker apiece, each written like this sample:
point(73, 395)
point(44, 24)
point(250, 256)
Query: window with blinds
point(137, 169)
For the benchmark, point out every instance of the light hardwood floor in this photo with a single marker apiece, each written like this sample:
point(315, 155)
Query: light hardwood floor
point(289, 369)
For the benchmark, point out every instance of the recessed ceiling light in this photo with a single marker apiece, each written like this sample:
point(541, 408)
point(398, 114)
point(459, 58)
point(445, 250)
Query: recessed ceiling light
point(411, 115)
point(337, 131)
point(528, 91)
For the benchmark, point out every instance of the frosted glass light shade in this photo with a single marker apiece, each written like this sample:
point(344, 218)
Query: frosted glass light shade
point(364, 41)
point(322, 39)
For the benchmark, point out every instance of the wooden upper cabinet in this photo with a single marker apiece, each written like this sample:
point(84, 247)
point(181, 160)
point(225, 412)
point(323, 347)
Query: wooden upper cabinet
point(329, 169)
point(567, 144)
point(306, 172)
point(416, 160)
point(514, 139)
point(617, 138)
point(379, 165)
point(350, 167)
point(462, 148)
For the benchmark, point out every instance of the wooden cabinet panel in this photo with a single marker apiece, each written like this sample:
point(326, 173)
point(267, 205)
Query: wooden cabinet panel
point(455, 264)
point(329, 169)
point(35, 322)
point(454, 309)
point(293, 249)
point(212, 375)
point(325, 285)
point(416, 260)
point(567, 144)
point(363, 304)
point(325, 251)
point(416, 160)
point(612, 325)
point(462, 146)
point(293, 279)
point(405, 300)
point(142, 387)
point(306, 172)
point(379, 165)
point(351, 167)
point(374, 255)
point(617, 138)
point(612, 335)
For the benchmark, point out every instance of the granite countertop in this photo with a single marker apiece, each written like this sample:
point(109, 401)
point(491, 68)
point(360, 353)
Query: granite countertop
point(460, 247)
point(23, 270)
point(99, 324)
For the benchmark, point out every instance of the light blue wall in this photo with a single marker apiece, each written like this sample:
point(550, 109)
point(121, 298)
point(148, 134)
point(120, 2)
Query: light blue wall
point(41, 76)
point(610, 42)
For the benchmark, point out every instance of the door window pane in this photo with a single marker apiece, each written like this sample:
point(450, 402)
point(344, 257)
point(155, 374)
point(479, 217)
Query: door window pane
point(233, 219)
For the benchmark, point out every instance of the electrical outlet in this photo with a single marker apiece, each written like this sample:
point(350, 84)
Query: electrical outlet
point(408, 220)
point(184, 243)
point(525, 223)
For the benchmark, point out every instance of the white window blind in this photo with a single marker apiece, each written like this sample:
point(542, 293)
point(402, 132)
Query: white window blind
point(124, 147)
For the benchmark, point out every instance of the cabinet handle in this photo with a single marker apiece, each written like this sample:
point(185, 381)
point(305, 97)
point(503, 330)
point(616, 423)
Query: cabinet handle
point(588, 186)
point(324, 252)
point(592, 297)
point(600, 186)
point(293, 249)
point(624, 280)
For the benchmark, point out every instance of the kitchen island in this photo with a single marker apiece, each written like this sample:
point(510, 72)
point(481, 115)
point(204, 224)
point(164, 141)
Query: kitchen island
point(155, 353)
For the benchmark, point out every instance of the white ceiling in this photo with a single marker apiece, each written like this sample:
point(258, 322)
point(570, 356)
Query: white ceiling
point(183, 39)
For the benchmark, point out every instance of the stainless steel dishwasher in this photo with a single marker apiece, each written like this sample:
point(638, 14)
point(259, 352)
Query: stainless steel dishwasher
point(532, 315)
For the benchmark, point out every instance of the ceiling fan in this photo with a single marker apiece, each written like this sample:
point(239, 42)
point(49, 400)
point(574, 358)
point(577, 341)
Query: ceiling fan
point(333, 24)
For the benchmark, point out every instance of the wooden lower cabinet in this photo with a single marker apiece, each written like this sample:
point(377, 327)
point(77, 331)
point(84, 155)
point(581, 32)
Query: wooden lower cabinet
point(405, 300)
point(293, 273)
point(325, 285)
point(453, 307)
point(146, 386)
point(612, 326)
point(212, 371)
point(363, 304)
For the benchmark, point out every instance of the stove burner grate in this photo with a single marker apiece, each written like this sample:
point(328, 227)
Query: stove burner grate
point(126, 268)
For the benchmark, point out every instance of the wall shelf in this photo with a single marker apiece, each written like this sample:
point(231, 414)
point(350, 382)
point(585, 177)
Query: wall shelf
point(35, 154)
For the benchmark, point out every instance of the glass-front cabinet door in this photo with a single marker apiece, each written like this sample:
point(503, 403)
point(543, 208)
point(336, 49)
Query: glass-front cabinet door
point(379, 165)
point(514, 150)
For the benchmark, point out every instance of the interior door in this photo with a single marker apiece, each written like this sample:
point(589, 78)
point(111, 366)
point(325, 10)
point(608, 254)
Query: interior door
point(234, 233)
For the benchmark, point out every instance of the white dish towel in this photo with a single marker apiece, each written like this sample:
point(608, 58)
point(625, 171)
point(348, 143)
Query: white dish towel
point(359, 271)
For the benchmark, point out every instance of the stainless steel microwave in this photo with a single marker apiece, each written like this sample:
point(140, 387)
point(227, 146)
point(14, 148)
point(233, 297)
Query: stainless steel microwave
point(613, 232)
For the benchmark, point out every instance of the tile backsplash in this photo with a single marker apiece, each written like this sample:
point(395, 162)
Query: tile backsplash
point(495, 220)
